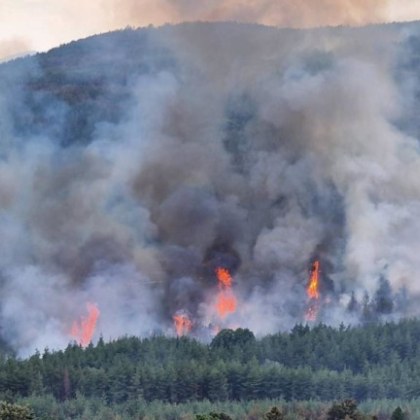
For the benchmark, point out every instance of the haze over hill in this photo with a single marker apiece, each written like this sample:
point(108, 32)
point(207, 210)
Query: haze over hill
point(136, 163)
point(40, 25)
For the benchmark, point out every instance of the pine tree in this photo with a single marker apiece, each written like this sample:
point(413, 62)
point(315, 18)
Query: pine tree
point(353, 305)
point(398, 414)
point(274, 414)
point(213, 416)
point(346, 409)
point(383, 301)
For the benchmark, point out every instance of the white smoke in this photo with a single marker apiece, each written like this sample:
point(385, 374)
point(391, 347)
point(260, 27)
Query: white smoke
point(259, 149)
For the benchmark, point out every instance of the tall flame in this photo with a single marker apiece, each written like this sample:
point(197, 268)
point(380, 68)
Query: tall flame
point(182, 323)
point(83, 331)
point(312, 290)
point(224, 277)
point(313, 293)
point(226, 302)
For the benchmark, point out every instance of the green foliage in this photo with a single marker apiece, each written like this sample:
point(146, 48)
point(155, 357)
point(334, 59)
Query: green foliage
point(213, 416)
point(398, 414)
point(231, 339)
point(373, 362)
point(383, 297)
point(346, 409)
point(47, 408)
point(274, 414)
point(10, 411)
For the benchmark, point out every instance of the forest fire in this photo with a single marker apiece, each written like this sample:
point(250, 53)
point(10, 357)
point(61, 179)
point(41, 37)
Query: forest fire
point(83, 331)
point(313, 293)
point(226, 300)
point(313, 287)
point(182, 323)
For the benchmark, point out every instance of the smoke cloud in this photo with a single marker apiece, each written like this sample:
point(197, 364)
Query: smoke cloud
point(12, 48)
point(49, 23)
point(209, 145)
point(300, 13)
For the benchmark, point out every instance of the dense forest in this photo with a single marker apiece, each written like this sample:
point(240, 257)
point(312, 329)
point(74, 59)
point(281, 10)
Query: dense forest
point(319, 364)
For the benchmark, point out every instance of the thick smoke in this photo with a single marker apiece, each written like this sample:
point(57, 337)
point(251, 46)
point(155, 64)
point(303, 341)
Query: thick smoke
point(249, 148)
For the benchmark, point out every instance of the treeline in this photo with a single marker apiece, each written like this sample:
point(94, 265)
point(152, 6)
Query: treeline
point(321, 363)
point(47, 408)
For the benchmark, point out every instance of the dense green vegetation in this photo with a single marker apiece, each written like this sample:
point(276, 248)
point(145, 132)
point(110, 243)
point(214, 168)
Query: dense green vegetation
point(374, 362)
point(96, 409)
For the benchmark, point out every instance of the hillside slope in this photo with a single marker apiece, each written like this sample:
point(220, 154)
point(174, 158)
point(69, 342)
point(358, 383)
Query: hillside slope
point(138, 165)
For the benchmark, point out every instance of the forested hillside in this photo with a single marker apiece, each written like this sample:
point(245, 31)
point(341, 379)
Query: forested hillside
point(374, 362)
point(135, 164)
point(254, 181)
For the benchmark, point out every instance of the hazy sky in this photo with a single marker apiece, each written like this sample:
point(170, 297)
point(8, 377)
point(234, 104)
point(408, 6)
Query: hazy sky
point(36, 25)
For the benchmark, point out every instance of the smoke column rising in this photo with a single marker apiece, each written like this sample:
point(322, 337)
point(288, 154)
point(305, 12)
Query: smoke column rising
point(247, 148)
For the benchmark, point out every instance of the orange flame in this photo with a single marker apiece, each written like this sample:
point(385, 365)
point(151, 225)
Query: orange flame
point(313, 293)
point(182, 323)
point(312, 290)
point(226, 300)
point(224, 277)
point(83, 331)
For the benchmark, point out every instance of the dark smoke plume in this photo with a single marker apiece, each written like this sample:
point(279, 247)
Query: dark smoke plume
point(135, 163)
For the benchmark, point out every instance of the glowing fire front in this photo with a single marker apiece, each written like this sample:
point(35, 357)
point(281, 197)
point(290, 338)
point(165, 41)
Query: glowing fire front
point(182, 323)
point(313, 287)
point(83, 331)
point(226, 302)
point(313, 293)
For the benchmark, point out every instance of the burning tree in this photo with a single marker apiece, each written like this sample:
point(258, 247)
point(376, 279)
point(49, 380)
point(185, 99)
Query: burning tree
point(226, 300)
point(313, 293)
point(83, 331)
point(182, 323)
